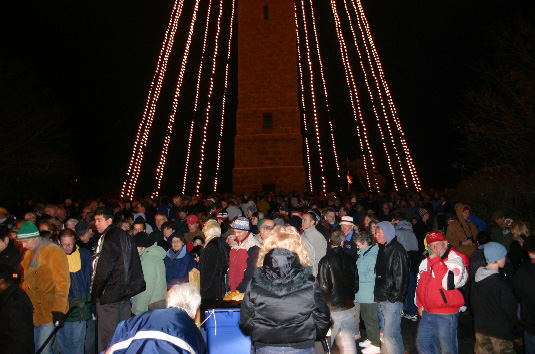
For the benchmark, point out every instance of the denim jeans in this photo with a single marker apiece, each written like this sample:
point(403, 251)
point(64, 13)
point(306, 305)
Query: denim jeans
point(71, 338)
point(283, 350)
point(344, 331)
point(437, 333)
point(529, 342)
point(391, 314)
point(409, 307)
point(40, 334)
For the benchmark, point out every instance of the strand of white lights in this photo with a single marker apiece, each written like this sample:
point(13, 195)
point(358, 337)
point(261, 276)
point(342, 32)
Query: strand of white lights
point(392, 107)
point(210, 91)
point(300, 65)
point(171, 121)
point(355, 104)
point(313, 97)
point(222, 124)
point(322, 75)
point(370, 93)
point(195, 105)
point(128, 187)
point(381, 100)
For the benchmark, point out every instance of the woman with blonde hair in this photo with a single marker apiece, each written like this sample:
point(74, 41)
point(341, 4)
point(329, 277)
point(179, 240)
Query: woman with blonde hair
point(282, 309)
point(517, 255)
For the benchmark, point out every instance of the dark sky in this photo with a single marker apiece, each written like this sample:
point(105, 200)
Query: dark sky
point(96, 59)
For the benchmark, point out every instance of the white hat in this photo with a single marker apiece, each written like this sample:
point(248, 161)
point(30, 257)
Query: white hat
point(347, 220)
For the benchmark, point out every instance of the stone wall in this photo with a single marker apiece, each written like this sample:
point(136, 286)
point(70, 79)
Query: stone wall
point(267, 86)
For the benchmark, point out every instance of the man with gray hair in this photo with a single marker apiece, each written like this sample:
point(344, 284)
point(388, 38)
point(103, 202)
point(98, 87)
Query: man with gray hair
point(170, 330)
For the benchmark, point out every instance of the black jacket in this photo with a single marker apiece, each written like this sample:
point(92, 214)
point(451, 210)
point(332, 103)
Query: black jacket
point(282, 305)
point(337, 279)
point(118, 274)
point(524, 283)
point(391, 272)
point(11, 256)
point(494, 306)
point(16, 326)
point(213, 266)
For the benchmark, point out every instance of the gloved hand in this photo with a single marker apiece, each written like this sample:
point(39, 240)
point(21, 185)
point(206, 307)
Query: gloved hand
point(57, 318)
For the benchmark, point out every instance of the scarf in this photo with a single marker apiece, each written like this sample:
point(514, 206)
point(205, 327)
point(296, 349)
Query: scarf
point(75, 261)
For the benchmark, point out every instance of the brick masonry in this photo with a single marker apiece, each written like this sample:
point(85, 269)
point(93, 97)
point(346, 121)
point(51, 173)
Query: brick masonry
point(267, 154)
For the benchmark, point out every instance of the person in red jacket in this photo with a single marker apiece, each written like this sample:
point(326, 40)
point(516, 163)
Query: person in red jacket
point(438, 299)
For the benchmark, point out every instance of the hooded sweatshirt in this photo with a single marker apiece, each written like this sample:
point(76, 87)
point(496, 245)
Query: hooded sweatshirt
point(493, 304)
point(392, 268)
point(154, 274)
point(462, 230)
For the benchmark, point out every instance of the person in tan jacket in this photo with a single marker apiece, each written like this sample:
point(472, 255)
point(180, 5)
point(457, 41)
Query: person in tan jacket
point(46, 281)
point(462, 233)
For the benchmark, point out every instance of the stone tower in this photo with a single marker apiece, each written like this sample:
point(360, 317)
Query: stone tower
point(267, 146)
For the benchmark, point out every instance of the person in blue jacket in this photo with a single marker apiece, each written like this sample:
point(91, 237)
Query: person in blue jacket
point(165, 331)
point(178, 262)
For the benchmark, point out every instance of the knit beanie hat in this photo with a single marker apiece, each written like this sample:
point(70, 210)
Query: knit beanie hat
point(212, 228)
point(27, 230)
point(494, 251)
point(141, 239)
point(241, 223)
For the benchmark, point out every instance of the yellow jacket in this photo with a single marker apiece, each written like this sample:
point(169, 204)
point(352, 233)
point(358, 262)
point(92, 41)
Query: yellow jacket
point(48, 284)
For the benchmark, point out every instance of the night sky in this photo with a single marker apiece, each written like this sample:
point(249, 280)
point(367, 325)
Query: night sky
point(96, 59)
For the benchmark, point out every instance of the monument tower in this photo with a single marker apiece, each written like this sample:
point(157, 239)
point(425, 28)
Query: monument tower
point(267, 146)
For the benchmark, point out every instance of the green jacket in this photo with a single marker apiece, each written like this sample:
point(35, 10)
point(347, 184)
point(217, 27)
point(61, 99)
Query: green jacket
point(154, 274)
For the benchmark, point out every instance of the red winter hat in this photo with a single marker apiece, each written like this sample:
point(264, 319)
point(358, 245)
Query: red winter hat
point(435, 236)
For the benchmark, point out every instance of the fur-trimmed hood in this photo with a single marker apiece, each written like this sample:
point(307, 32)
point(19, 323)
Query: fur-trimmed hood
point(282, 273)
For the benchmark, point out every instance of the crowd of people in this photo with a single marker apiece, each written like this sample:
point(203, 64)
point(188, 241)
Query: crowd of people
point(90, 275)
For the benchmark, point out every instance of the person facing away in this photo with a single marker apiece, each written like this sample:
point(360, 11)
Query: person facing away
point(282, 308)
point(338, 284)
point(16, 312)
point(163, 331)
point(151, 256)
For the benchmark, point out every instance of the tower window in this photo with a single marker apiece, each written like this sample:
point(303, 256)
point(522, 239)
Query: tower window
point(267, 120)
point(266, 12)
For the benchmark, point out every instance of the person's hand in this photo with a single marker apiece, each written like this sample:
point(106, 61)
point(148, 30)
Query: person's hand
point(420, 311)
point(230, 240)
point(57, 318)
point(467, 242)
point(432, 255)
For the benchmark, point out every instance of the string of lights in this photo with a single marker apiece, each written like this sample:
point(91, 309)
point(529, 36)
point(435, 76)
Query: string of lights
point(222, 124)
point(172, 115)
point(371, 95)
point(355, 104)
point(303, 105)
point(129, 184)
point(210, 91)
point(313, 98)
point(416, 181)
point(322, 75)
point(195, 105)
